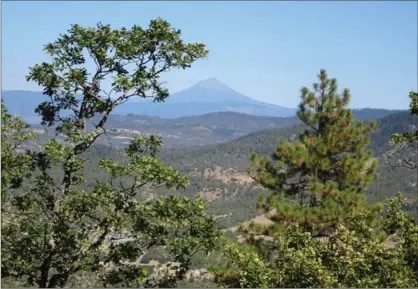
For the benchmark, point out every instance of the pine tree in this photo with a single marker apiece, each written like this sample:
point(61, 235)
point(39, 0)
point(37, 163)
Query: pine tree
point(321, 177)
point(318, 185)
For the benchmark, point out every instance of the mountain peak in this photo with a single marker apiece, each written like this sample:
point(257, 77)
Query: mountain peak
point(212, 84)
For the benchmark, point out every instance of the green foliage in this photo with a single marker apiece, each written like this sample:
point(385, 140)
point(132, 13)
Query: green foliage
point(321, 177)
point(356, 258)
point(74, 211)
point(54, 227)
point(15, 167)
point(405, 228)
point(409, 139)
point(234, 154)
point(324, 233)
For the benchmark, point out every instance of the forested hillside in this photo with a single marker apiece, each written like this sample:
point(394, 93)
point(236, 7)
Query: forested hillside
point(323, 200)
point(218, 171)
point(235, 153)
point(191, 131)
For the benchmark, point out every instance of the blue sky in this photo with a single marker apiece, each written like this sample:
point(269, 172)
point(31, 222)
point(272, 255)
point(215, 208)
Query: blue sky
point(265, 50)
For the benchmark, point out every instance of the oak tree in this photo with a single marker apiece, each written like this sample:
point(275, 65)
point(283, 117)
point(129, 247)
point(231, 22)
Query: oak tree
point(56, 231)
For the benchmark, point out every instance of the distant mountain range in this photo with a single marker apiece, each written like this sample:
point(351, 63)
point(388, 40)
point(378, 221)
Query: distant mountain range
point(207, 96)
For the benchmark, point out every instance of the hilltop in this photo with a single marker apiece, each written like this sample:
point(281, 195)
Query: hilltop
point(205, 97)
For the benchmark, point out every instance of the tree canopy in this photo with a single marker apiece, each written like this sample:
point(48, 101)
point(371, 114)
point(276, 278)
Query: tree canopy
point(324, 233)
point(54, 230)
point(57, 231)
point(321, 177)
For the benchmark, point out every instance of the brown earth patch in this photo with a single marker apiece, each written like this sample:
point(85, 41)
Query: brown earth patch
point(227, 176)
point(210, 195)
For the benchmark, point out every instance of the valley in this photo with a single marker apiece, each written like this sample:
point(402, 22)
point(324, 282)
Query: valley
point(213, 151)
point(217, 172)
